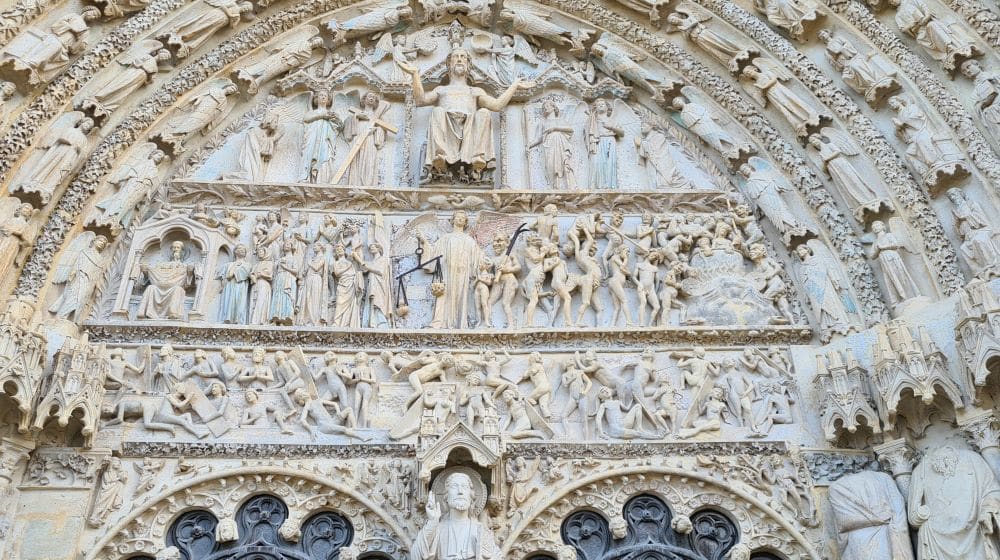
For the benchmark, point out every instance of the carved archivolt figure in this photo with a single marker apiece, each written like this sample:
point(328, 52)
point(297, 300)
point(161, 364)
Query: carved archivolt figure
point(164, 297)
point(539, 25)
point(946, 42)
point(837, 152)
point(554, 134)
point(15, 235)
point(203, 113)
point(886, 247)
point(794, 16)
point(135, 70)
point(235, 277)
point(80, 271)
point(459, 536)
point(460, 130)
point(696, 22)
point(133, 181)
point(322, 125)
point(201, 22)
point(980, 242)
point(654, 150)
point(954, 503)
point(931, 151)
point(288, 56)
point(826, 289)
point(871, 75)
point(372, 21)
point(765, 186)
point(602, 141)
point(700, 120)
point(987, 99)
point(763, 82)
point(60, 150)
point(36, 56)
point(870, 515)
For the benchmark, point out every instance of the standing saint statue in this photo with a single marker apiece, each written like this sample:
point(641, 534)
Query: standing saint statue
point(460, 257)
point(366, 130)
point(555, 135)
point(235, 276)
point(322, 124)
point(168, 280)
point(602, 140)
point(457, 537)
point(954, 504)
point(460, 131)
point(349, 285)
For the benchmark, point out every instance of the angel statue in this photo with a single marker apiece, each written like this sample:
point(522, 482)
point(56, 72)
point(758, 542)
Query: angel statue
point(80, 269)
point(201, 114)
point(763, 81)
point(135, 69)
point(60, 150)
point(201, 21)
point(322, 124)
point(366, 129)
point(403, 49)
point(35, 56)
point(290, 55)
point(707, 126)
point(696, 23)
point(794, 16)
point(460, 257)
point(370, 22)
point(764, 186)
point(947, 42)
point(15, 233)
point(622, 64)
point(460, 130)
point(164, 297)
point(980, 242)
point(826, 287)
point(931, 151)
point(886, 248)
point(987, 97)
point(504, 64)
point(535, 25)
point(653, 148)
point(554, 134)
point(837, 152)
point(256, 147)
point(602, 141)
point(871, 75)
point(133, 181)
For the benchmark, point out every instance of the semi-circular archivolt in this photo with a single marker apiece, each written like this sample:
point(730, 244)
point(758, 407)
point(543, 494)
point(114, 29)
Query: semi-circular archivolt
point(61, 217)
point(144, 528)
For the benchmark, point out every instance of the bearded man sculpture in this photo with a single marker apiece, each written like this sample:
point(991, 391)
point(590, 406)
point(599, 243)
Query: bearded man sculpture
point(459, 536)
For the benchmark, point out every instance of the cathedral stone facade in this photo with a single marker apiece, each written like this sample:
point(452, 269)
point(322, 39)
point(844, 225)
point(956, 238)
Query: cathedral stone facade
point(500, 280)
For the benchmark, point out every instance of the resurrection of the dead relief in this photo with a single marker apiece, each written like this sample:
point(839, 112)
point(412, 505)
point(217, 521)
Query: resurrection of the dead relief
point(478, 280)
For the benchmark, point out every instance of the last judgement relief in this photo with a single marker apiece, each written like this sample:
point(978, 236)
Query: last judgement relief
point(499, 280)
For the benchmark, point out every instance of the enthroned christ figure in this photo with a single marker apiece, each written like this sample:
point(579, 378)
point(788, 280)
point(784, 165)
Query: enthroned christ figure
point(460, 131)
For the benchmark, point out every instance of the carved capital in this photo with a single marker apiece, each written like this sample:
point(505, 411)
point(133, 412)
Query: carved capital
point(13, 454)
point(982, 429)
point(897, 456)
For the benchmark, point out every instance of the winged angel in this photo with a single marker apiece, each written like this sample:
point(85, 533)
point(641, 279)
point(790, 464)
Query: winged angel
point(62, 148)
point(134, 182)
point(887, 246)
point(826, 286)
point(554, 135)
point(294, 52)
point(135, 69)
point(622, 63)
point(536, 25)
point(403, 50)
point(504, 64)
point(201, 114)
point(370, 22)
point(765, 186)
point(453, 253)
point(837, 150)
point(763, 80)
